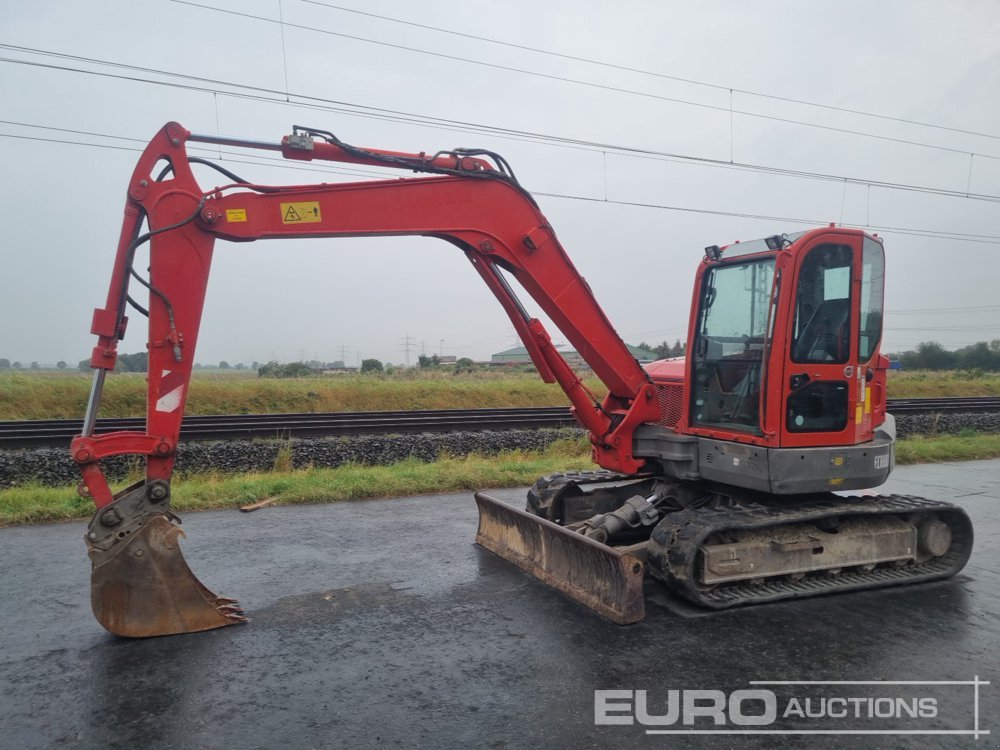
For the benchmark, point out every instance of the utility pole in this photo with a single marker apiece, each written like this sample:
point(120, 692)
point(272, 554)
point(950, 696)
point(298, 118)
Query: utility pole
point(442, 347)
point(406, 344)
point(343, 354)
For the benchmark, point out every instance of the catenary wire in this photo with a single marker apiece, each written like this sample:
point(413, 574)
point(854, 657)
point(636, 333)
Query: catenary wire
point(655, 74)
point(590, 84)
point(933, 234)
point(313, 102)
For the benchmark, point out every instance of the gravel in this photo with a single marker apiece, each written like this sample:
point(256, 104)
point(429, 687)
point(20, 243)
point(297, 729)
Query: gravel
point(946, 424)
point(52, 466)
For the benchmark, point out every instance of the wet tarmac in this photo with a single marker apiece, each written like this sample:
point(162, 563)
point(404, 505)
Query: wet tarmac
point(380, 624)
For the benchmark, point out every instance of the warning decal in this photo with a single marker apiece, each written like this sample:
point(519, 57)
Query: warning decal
point(234, 215)
point(300, 213)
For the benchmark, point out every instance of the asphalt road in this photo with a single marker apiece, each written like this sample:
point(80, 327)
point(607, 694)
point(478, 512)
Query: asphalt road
point(379, 623)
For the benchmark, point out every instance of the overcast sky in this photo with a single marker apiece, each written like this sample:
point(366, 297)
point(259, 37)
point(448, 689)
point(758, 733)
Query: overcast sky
point(930, 62)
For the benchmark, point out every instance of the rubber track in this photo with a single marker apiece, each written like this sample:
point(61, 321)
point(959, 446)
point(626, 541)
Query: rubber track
point(674, 546)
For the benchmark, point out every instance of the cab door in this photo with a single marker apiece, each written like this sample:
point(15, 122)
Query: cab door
point(822, 384)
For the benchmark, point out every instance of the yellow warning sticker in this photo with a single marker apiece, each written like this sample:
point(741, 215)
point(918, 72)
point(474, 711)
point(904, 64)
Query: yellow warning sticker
point(300, 213)
point(868, 400)
point(236, 215)
point(858, 414)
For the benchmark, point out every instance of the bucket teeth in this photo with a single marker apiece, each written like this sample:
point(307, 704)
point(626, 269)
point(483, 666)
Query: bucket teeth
point(236, 614)
point(142, 586)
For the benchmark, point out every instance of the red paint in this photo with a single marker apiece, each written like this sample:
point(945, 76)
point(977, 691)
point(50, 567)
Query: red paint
point(494, 223)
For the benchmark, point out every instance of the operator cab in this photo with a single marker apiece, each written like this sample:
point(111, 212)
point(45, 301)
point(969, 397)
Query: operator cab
point(785, 338)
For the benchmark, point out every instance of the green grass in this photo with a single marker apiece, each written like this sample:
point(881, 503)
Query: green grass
point(49, 395)
point(61, 396)
point(965, 447)
point(35, 504)
point(942, 384)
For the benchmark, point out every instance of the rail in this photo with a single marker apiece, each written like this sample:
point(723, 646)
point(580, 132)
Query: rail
point(58, 432)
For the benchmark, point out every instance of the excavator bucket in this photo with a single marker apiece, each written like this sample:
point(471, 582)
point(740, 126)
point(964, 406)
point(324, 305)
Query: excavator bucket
point(600, 577)
point(143, 587)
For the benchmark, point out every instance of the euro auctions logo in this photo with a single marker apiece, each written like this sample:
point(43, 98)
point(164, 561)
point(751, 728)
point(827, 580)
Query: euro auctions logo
point(800, 707)
point(686, 707)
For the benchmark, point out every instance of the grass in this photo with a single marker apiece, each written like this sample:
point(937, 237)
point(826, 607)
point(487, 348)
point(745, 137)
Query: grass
point(59, 395)
point(964, 447)
point(46, 395)
point(942, 384)
point(64, 396)
point(36, 504)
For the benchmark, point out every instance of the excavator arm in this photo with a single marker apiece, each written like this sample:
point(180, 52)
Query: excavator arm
point(482, 211)
point(468, 198)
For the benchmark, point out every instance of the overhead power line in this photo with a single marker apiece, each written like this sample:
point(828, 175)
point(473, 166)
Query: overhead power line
point(653, 73)
point(580, 82)
point(351, 109)
point(931, 233)
point(264, 161)
point(946, 310)
point(957, 329)
point(276, 161)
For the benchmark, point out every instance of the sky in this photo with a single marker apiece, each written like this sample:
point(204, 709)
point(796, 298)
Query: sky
point(72, 127)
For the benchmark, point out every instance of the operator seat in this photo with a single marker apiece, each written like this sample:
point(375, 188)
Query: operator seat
point(827, 334)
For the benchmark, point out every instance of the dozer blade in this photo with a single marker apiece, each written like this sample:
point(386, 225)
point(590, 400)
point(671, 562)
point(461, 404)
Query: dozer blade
point(143, 587)
point(598, 576)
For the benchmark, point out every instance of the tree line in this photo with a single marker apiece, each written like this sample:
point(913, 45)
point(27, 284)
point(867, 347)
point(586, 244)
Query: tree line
point(930, 355)
point(664, 350)
point(6, 364)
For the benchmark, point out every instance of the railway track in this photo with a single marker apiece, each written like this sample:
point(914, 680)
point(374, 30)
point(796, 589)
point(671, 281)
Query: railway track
point(232, 427)
point(58, 432)
point(968, 405)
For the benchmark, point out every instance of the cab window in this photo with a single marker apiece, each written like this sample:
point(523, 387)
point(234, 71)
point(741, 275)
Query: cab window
point(732, 330)
point(872, 282)
point(822, 326)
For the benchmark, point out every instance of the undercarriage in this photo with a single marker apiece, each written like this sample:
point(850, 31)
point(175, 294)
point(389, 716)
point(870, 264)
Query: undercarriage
point(719, 547)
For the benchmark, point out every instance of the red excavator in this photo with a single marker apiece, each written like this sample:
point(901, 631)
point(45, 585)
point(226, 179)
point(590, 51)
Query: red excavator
point(722, 474)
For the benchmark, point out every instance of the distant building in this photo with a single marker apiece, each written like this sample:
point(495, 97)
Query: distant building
point(643, 355)
point(518, 355)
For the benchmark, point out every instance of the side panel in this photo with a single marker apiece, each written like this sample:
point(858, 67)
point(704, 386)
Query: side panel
point(853, 467)
point(738, 465)
point(779, 471)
